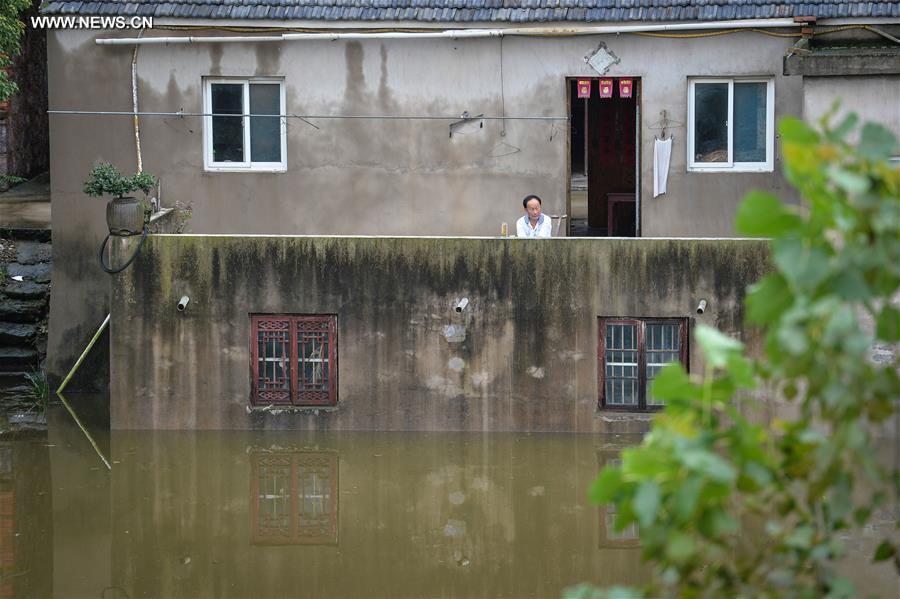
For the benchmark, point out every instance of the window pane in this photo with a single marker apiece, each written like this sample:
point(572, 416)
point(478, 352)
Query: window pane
point(273, 364)
point(621, 364)
point(663, 345)
point(711, 122)
point(265, 132)
point(227, 131)
point(750, 122)
point(274, 500)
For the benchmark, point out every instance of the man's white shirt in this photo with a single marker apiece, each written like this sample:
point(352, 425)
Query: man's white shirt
point(543, 228)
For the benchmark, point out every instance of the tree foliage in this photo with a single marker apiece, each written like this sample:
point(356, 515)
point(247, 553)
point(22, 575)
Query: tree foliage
point(105, 179)
point(11, 30)
point(728, 507)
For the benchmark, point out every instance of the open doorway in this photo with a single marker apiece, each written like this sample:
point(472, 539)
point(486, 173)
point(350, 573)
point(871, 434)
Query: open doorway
point(603, 157)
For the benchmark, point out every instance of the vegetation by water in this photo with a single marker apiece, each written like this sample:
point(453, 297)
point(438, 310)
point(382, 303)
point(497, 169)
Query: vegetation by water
point(707, 474)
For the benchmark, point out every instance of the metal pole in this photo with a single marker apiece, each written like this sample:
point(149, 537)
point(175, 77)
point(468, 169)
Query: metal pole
point(82, 357)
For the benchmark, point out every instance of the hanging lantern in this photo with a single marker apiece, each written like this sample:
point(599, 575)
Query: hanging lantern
point(625, 87)
point(606, 88)
point(584, 88)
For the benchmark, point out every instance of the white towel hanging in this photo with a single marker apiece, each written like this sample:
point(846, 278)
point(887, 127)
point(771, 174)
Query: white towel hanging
point(662, 154)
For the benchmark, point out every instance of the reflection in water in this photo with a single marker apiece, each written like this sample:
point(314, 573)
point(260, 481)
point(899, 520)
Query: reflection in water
point(609, 536)
point(294, 498)
point(244, 514)
point(25, 523)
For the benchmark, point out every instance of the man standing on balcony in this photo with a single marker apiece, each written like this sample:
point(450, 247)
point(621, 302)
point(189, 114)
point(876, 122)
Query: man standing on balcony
point(533, 223)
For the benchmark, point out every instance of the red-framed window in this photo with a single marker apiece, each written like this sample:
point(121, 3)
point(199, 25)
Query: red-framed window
point(294, 498)
point(631, 352)
point(293, 359)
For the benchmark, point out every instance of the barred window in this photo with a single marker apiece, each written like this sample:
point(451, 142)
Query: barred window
point(294, 360)
point(631, 353)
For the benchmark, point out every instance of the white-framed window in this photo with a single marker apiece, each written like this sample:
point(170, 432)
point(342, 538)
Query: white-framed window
point(243, 129)
point(731, 124)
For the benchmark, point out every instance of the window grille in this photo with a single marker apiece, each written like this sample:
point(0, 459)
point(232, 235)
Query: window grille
point(631, 353)
point(294, 360)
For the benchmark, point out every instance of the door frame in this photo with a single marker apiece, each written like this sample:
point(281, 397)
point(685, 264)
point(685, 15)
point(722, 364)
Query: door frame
point(638, 154)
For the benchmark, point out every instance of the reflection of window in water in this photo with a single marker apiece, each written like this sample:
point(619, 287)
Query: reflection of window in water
point(294, 498)
point(5, 461)
point(7, 523)
point(609, 536)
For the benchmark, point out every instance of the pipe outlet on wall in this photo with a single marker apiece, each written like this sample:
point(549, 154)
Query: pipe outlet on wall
point(701, 307)
point(182, 303)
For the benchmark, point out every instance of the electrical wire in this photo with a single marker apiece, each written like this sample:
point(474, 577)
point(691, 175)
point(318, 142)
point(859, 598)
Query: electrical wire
point(393, 117)
point(712, 33)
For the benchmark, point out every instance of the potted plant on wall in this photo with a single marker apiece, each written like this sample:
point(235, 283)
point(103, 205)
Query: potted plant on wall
point(124, 213)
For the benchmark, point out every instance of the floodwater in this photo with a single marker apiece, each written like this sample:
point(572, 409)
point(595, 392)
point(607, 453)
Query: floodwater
point(303, 514)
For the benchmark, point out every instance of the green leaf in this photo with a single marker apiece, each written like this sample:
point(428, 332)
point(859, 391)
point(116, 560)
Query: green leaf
point(803, 265)
point(800, 538)
point(763, 215)
point(606, 485)
point(717, 346)
point(876, 142)
point(646, 503)
point(885, 550)
point(888, 324)
point(716, 523)
point(768, 299)
point(852, 183)
point(846, 126)
point(794, 130)
point(849, 284)
point(841, 588)
point(680, 547)
point(685, 499)
point(709, 464)
point(672, 382)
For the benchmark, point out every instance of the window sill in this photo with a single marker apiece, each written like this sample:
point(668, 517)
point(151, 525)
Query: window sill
point(714, 169)
point(225, 169)
point(608, 415)
point(282, 409)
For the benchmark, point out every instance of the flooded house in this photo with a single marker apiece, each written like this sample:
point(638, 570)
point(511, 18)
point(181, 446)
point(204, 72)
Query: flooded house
point(342, 173)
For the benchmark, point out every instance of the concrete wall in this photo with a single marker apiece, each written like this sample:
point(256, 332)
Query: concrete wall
point(872, 98)
point(527, 361)
point(373, 176)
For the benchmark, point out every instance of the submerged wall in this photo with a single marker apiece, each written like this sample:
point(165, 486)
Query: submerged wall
point(527, 360)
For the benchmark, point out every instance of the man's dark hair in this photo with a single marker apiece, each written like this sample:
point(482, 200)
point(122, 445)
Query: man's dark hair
point(529, 198)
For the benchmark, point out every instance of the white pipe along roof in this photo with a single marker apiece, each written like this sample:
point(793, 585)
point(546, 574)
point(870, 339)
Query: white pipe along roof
point(454, 33)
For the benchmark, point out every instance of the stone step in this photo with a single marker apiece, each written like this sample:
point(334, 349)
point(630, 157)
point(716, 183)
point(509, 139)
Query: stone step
point(33, 252)
point(18, 358)
point(25, 234)
point(17, 310)
point(13, 333)
point(25, 289)
point(39, 273)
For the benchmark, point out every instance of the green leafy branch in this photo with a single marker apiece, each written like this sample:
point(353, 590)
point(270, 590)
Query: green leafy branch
point(730, 507)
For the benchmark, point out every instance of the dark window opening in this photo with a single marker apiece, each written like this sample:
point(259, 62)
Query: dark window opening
point(294, 360)
point(631, 353)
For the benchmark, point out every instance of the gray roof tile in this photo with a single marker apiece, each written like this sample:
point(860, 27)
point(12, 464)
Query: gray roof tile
point(467, 11)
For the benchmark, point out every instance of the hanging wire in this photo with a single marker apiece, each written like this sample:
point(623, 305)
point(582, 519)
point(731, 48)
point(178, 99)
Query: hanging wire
point(712, 33)
point(395, 117)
